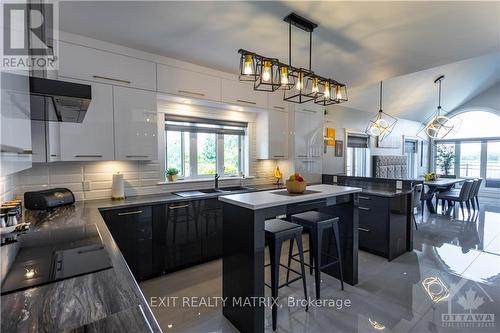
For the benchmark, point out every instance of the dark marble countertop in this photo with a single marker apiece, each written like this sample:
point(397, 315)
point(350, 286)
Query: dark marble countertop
point(382, 191)
point(75, 302)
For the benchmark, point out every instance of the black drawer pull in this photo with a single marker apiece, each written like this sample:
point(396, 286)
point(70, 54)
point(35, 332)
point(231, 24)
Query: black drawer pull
point(135, 212)
point(364, 198)
point(247, 102)
point(177, 207)
point(365, 208)
point(364, 230)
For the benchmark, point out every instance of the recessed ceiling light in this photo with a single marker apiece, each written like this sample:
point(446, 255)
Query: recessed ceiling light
point(186, 101)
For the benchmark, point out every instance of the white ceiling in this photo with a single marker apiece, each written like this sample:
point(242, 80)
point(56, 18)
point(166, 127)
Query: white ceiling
point(357, 43)
point(415, 96)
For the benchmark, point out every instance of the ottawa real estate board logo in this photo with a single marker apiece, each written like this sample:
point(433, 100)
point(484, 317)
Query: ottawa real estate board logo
point(29, 32)
point(468, 305)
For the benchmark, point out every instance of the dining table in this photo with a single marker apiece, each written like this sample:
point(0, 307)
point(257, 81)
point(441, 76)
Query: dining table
point(437, 186)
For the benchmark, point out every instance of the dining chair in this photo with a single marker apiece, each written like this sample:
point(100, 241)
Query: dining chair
point(457, 196)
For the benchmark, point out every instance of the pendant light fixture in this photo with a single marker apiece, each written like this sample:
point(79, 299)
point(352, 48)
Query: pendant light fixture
point(438, 125)
point(382, 124)
point(300, 85)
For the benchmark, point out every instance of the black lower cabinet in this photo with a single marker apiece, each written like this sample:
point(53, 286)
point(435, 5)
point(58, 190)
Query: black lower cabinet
point(182, 234)
point(211, 221)
point(132, 230)
point(383, 225)
point(162, 238)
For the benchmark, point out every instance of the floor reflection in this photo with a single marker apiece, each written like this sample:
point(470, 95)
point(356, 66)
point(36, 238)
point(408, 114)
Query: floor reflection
point(453, 270)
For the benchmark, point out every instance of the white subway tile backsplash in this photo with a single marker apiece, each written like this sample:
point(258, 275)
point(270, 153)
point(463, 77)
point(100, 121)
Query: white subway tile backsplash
point(141, 177)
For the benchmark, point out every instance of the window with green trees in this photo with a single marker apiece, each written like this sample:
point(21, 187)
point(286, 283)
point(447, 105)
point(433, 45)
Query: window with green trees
point(202, 147)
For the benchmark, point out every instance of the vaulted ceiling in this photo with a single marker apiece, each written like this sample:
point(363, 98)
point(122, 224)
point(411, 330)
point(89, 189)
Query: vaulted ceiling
point(358, 43)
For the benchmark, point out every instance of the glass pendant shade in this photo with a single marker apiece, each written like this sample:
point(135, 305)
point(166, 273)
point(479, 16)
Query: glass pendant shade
point(248, 66)
point(327, 90)
point(340, 93)
point(286, 81)
point(268, 75)
point(300, 91)
point(314, 83)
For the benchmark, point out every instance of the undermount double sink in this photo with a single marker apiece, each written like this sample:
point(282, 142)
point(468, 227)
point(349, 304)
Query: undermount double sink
point(222, 190)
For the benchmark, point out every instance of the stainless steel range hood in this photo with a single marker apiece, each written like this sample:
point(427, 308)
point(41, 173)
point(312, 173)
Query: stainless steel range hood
point(54, 100)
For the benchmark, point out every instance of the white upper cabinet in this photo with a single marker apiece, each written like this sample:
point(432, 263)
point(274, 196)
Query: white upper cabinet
point(93, 138)
point(308, 132)
point(86, 63)
point(272, 135)
point(136, 131)
point(276, 101)
point(15, 123)
point(187, 83)
point(236, 92)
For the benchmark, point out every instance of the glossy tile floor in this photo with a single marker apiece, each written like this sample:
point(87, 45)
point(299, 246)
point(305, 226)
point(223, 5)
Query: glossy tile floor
point(449, 283)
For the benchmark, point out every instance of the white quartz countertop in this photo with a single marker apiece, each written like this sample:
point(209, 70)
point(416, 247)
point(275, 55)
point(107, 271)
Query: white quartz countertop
point(266, 199)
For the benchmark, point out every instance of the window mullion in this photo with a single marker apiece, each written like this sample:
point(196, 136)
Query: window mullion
point(220, 153)
point(193, 154)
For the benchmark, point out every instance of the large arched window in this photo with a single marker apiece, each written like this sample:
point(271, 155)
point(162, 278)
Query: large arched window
point(476, 124)
point(472, 150)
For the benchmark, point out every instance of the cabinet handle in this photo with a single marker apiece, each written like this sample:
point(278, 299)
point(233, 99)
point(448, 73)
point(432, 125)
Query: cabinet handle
point(88, 155)
point(135, 212)
point(243, 101)
point(110, 79)
point(279, 156)
point(136, 156)
point(364, 208)
point(53, 155)
point(301, 155)
point(279, 107)
point(177, 207)
point(363, 229)
point(363, 197)
point(190, 93)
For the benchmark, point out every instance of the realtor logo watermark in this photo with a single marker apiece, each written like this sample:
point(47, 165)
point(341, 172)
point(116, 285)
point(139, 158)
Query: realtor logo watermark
point(467, 307)
point(29, 32)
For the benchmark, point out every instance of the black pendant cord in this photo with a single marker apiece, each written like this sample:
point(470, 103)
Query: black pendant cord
point(290, 43)
point(439, 95)
point(310, 48)
point(380, 110)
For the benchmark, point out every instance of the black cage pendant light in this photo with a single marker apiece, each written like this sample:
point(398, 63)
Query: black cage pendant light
point(382, 124)
point(300, 85)
point(438, 125)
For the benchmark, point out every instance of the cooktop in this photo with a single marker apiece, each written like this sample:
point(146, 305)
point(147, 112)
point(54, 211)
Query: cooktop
point(48, 256)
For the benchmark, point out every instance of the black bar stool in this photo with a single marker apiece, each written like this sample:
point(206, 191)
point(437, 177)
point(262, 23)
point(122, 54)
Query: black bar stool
point(315, 223)
point(277, 231)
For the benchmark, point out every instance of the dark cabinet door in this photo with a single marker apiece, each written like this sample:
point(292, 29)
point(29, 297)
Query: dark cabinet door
point(131, 229)
point(183, 234)
point(211, 222)
point(373, 224)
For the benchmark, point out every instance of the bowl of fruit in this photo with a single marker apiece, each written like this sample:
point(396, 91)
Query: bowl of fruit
point(296, 184)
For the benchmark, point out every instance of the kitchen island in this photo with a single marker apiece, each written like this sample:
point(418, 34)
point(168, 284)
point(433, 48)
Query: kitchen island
point(244, 242)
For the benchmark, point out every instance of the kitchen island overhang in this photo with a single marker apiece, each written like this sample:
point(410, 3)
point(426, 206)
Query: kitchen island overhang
point(244, 242)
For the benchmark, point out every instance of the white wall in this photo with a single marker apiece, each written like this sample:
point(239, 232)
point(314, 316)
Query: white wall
point(341, 118)
point(6, 188)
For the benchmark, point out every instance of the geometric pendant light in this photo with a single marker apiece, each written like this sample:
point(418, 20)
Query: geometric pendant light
point(382, 124)
point(438, 125)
